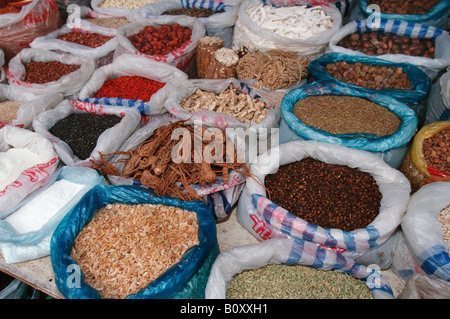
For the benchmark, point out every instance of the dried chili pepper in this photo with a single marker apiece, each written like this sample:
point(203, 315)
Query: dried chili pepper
point(130, 87)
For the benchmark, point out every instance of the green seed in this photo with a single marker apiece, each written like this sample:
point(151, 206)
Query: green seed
point(296, 282)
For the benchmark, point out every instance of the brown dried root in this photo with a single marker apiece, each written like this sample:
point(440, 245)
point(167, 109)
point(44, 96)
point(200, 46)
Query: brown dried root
point(151, 163)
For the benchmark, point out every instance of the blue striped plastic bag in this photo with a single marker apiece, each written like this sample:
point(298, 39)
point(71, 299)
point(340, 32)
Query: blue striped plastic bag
point(392, 148)
point(414, 97)
point(432, 67)
point(437, 16)
point(265, 219)
point(185, 279)
point(291, 251)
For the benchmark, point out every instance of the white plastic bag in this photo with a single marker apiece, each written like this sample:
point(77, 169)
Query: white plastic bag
point(265, 220)
point(108, 142)
point(24, 234)
point(34, 177)
point(219, 196)
point(51, 41)
point(426, 251)
point(66, 85)
point(2, 66)
point(438, 101)
point(219, 24)
point(247, 33)
point(182, 58)
point(290, 252)
point(431, 67)
point(31, 105)
point(133, 65)
point(420, 286)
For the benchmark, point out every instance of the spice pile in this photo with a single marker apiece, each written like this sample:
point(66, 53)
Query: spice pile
point(404, 6)
point(436, 151)
point(294, 22)
point(370, 76)
point(444, 219)
point(91, 40)
point(346, 115)
point(375, 43)
point(8, 111)
point(328, 195)
point(125, 247)
point(44, 72)
point(274, 69)
point(155, 40)
point(81, 131)
point(127, 4)
point(278, 281)
point(160, 164)
point(242, 105)
point(113, 23)
point(13, 6)
point(129, 87)
point(193, 12)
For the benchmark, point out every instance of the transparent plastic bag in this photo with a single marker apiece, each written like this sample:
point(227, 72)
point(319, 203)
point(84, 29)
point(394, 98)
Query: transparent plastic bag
point(438, 101)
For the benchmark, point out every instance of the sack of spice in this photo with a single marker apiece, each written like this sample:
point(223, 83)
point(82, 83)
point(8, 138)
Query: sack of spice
point(151, 157)
point(40, 71)
point(86, 40)
point(428, 159)
point(19, 109)
point(143, 38)
point(402, 81)
point(438, 102)
point(292, 269)
point(118, 8)
point(79, 131)
point(18, 29)
point(226, 103)
point(132, 81)
point(218, 17)
point(295, 185)
point(397, 41)
point(28, 160)
point(298, 29)
point(181, 237)
point(434, 12)
point(26, 228)
point(426, 234)
point(339, 114)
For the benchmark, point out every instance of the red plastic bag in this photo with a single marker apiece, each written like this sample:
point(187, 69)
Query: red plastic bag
point(17, 30)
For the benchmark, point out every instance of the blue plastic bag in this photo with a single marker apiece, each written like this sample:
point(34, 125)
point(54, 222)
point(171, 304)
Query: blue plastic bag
point(415, 98)
point(185, 279)
point(437, 16)
point(392, 148)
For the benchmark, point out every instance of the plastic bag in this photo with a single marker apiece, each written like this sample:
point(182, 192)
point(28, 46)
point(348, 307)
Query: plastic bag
point(2, 66)
point(17, 30)
point(420, 286)
point(185, 279)
point(51, 42)
point(414, 166)
point(289, 252)
point(133, 65)
point(265, 219)
point(220, 24)
point(182, 58)
point(184, 89)
point(392, 148)
point(425, 251)
point(437, 16)
point(438, 102)
point(18, 246)
point(34, 177)
point(66, 85)
point(416, 97)
point(431, 67)
point(247, 33)
point(108, 142)
point(31, 105)
point(219, 196)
